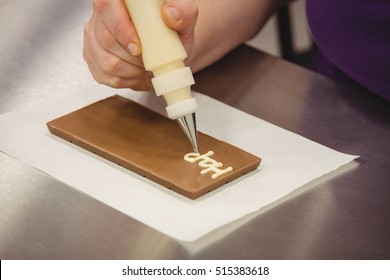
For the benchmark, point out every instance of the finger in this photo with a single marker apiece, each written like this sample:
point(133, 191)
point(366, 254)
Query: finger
point(112, 64)
point(117, 20)
point(107, 41)
point(181, 15)
point(102, 77)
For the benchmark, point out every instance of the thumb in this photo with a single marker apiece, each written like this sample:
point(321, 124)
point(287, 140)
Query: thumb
point(181, 16)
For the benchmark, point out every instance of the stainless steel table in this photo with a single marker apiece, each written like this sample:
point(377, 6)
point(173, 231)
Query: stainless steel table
point(345, 217)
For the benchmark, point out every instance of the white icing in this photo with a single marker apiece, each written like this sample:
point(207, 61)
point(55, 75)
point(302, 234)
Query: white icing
point(208, 163)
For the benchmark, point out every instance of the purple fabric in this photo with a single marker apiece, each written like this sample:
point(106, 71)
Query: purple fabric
point(354, 35)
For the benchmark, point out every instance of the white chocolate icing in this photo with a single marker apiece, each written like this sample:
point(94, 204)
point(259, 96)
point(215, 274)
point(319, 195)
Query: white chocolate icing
point(208, 163)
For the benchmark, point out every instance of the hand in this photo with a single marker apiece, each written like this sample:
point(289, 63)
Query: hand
point(112, 48)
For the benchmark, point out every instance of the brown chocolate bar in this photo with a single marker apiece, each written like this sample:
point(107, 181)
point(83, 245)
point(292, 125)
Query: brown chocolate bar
point(151, 145)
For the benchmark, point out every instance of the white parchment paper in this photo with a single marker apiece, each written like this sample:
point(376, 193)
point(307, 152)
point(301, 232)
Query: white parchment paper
point(289, 162)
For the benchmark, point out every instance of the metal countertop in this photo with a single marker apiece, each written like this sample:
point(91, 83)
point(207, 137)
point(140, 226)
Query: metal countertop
point(344, 217)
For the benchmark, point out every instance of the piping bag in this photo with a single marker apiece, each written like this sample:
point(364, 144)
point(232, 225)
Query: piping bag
point(163, 54)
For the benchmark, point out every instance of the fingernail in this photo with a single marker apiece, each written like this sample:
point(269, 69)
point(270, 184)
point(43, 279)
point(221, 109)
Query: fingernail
point(133, 48)
point(172, 13)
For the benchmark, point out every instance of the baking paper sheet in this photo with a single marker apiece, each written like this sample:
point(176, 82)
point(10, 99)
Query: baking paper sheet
point(289, 162)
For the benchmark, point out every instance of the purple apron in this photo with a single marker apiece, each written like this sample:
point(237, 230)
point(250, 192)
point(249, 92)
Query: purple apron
point(354, 39)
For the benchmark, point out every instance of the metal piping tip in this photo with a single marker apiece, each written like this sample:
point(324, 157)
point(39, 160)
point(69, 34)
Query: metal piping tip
point(188, 125)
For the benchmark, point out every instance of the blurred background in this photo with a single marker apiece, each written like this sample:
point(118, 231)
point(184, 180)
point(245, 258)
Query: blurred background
point(286, 34)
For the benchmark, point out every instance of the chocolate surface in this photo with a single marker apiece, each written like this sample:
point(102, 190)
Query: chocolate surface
point(150, 145)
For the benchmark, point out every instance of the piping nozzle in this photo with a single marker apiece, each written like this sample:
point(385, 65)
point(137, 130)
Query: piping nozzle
point(188, 125)
point(174, 86)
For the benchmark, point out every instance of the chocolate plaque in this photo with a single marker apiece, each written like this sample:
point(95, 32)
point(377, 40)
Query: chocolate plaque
point(153, 146)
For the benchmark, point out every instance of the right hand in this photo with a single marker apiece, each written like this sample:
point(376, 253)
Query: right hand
point(112, 48)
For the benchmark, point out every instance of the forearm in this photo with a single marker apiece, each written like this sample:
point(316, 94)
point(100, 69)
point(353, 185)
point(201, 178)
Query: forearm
point(224, 24)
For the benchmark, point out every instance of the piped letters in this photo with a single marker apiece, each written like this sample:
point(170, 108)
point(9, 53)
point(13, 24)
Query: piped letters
point(208, 163)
